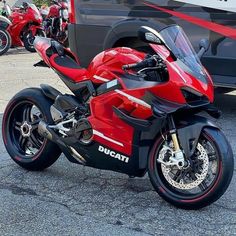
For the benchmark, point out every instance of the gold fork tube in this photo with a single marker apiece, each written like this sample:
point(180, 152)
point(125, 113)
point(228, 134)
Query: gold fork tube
point(175, 141)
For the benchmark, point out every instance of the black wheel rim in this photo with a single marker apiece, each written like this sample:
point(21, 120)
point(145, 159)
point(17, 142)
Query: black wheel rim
point(3, 40)
point(23, 129)
point(205, 186)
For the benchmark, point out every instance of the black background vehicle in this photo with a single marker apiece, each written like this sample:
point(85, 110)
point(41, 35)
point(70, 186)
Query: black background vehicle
point(100, 24)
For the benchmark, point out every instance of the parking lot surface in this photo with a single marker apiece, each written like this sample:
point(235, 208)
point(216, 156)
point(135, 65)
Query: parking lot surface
point(68, 199)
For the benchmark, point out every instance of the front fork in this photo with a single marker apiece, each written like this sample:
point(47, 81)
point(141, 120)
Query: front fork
point(173, 133)
point(178, 158)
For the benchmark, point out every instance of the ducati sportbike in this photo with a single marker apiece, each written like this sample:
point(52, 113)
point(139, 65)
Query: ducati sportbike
point(20, 27)
point(130, 112)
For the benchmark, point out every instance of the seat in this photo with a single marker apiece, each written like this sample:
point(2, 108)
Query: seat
point(66, 66)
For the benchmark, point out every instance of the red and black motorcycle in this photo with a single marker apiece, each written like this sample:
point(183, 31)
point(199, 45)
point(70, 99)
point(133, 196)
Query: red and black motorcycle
point(56, 22)
point(131, 112)
point(20, 27)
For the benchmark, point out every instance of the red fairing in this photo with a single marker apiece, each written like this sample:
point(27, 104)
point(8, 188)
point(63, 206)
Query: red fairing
point(41, 46)
point(107, 66)
point(180, 78)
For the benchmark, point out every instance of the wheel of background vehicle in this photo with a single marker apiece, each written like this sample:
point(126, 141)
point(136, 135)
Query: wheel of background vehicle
point(202, 181)
point(20, 130)
point(5, 41)
point(28, 40)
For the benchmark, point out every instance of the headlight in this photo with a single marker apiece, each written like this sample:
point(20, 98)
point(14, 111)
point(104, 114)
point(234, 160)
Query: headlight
point(65, 14)
point(193, 97)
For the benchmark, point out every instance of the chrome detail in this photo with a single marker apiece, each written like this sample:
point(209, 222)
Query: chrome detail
point(60, 126)
point(43, 131)
point(26, 129)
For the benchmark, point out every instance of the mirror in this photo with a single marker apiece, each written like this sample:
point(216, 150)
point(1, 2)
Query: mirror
point(149, 35)
point(203, 46)
point(204, 43)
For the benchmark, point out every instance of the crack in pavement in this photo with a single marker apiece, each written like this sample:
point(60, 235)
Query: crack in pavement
point(16, 190)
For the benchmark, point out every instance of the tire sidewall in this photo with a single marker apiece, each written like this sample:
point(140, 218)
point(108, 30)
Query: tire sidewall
point(8, 41)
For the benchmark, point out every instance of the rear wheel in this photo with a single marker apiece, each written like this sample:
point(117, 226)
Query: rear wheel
point(20, 130)
point(5, 41)
point(202, 181)
point(28, 39)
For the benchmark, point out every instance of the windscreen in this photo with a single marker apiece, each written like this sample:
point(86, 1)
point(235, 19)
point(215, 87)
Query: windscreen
point(179, 44)
point(34, 7)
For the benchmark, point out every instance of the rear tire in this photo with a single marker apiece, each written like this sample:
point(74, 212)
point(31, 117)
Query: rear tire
point(5, 41)
point(187, 198)
point(19, 130)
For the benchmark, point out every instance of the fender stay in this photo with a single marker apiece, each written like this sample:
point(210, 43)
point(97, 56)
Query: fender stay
point(190, 133)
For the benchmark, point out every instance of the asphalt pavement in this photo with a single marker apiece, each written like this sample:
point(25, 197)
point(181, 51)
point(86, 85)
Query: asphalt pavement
point(68, 199)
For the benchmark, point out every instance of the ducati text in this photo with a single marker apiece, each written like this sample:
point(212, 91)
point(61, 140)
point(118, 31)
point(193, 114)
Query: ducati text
point(113, 154)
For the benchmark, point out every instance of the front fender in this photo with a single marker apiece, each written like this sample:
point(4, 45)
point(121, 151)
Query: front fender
point(189, 131)
point(4, 22)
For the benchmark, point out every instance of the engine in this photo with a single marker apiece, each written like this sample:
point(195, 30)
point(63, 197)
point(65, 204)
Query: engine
point(69, 115)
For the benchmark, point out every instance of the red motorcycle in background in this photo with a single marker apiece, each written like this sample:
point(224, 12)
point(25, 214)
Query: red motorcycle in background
point(130, 112)
point(56, 22)
point(20, 28)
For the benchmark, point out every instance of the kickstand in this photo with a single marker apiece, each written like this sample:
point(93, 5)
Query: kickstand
point(41, 64)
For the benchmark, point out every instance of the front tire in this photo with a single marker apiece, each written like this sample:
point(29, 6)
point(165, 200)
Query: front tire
point(28, 39)
point(20, 130)
point(195, 194)
point(5, 41)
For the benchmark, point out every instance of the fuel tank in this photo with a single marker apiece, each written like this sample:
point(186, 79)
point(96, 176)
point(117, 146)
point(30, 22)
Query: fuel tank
point(104, 64)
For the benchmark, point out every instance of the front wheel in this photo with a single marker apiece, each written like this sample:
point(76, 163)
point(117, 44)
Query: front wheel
point(205, 177)
point(5, 41)
point(28, 39)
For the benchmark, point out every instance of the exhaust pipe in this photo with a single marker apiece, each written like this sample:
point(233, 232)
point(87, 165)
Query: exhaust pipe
point(43, 130)
point(48, 133)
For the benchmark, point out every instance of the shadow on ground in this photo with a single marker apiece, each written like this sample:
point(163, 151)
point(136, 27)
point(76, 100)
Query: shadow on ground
point(16, 51)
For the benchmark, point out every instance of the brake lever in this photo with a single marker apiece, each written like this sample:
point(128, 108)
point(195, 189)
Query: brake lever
point(148, 68)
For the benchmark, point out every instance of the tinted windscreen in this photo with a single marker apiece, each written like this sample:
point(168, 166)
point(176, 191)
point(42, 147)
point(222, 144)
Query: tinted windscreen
point(179, 44)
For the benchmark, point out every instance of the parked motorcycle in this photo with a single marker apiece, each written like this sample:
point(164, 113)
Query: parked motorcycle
point(130, 112)
point(6, 10)
point(56, 22)
point(20, 27)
